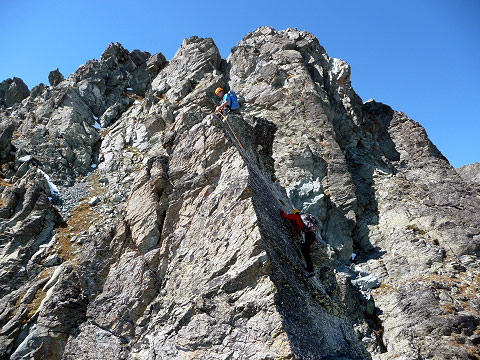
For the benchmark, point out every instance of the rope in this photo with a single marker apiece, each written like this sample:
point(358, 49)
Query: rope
point(247, 161)
point(223, 117)
point(233, 132)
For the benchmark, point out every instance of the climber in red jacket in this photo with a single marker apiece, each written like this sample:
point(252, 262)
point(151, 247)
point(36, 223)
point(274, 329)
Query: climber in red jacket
point(308, 238)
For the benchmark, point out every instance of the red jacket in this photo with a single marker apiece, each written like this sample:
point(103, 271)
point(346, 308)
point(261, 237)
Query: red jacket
point(295, 218)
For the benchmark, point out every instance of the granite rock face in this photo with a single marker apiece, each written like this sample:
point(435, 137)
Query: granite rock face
point(137, 225)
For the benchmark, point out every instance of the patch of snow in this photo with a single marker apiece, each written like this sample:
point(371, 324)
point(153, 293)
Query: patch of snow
point(51, 185)
point(25, 158)
point(96, 125)
point(94, 201)
point(93, 166)
point(354, 256)
point(129, 89)
point(95, 117)
point(53, 279)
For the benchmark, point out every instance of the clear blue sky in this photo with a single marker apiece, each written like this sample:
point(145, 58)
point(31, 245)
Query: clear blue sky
point(421, 57)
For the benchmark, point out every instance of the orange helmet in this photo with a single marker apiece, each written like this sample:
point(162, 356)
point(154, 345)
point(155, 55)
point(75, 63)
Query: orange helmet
point(218, 90)
point(295, 211)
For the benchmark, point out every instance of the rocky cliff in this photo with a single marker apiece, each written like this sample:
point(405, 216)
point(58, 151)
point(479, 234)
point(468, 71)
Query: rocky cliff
point(136, 225)
point(471, 173)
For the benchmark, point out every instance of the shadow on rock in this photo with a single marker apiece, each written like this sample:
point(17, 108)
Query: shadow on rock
point(313, 321)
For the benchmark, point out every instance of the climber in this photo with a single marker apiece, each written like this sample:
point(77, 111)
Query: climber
point(229, 102)
point(306, 225)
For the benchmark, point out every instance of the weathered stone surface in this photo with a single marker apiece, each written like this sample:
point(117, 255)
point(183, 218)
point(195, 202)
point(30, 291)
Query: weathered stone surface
point(147, 204)
point(183, 253)
point(470, 173)
point(155, 63)
point(55, 77)
point(61, 310)
point(12, 91)
point(6, 132)
point(370, 173)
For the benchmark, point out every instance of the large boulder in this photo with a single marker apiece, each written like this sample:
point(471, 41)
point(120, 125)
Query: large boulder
point(155, 63)
point(13, 91)
point(55, 77)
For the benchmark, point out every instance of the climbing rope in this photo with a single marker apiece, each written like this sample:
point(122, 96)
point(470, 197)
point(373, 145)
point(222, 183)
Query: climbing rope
point(224, 118)
point(247, 161)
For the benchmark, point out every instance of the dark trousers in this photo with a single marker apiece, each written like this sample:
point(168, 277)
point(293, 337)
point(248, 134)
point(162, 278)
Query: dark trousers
point(305, 249)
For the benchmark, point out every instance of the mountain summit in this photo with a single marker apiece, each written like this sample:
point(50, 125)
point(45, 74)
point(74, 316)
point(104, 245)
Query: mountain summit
point(135, 224)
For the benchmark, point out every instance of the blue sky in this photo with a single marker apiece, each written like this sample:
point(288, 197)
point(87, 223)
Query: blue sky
point(420, 57)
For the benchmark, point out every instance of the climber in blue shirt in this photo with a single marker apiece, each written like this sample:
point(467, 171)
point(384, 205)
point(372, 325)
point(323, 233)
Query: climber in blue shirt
point(229, 101)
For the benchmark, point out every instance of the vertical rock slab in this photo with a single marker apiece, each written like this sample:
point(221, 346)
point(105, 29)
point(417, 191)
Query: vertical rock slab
point(231, 272)
point(284, 77)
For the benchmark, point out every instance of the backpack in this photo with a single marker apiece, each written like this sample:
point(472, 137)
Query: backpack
point(310, 222)
point(234, 105)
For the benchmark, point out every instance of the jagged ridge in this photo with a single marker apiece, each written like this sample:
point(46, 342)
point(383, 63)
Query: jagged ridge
point(183, 254)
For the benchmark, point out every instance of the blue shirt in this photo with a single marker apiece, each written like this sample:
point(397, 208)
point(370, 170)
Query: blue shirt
point(226, 97)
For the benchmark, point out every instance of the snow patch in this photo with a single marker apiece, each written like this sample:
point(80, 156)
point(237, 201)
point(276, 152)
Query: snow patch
point(25, 158)
point(93, 166)
point(94, 201)
point(96, 125)
point(51, 185)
